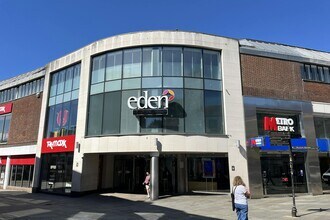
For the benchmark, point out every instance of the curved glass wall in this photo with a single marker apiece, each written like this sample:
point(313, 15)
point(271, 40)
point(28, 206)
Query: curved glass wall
point(192, 74)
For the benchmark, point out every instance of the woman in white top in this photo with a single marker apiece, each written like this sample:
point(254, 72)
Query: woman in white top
point(241, 195)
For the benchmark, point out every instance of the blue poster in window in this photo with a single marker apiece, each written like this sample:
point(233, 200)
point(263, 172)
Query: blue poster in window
point(208, 168)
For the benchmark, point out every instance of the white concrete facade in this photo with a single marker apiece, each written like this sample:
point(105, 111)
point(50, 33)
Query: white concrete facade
point(231, 143)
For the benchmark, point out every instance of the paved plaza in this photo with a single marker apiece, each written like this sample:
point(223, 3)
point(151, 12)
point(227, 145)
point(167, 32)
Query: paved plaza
point(22, 205)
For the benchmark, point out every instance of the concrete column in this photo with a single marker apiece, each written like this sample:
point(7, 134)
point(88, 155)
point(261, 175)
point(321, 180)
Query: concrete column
point(154, 176)
point(7, 173)
point(182, 173)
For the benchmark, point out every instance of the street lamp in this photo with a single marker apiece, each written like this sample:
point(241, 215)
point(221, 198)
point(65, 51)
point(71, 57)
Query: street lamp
point(294, 208)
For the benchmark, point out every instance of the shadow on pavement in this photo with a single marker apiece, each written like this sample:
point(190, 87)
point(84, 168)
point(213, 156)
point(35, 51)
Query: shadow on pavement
point(313, 211)
point(95, 206)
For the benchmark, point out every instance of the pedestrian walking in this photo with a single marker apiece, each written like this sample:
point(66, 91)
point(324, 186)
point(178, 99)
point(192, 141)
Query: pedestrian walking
point(146, 183)
point(241, 194)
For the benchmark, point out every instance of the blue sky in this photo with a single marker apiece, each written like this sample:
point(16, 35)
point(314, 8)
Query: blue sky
point(35, 32)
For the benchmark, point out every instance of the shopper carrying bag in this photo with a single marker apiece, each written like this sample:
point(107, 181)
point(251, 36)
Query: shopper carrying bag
point(241, 194)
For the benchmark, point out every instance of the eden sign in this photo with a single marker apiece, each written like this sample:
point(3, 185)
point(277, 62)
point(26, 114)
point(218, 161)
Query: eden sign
point(150, 105)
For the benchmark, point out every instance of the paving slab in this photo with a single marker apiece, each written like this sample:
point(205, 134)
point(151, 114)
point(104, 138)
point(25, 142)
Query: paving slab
point(22, 205)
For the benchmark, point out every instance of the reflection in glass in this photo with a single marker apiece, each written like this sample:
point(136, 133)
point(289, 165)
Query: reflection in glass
point(73, 117)
point(211, 61)
point(213, 112)
point(97, 88)
point(53, 86)
point(152, 82)
point(173, 82)
point(129, 123)
point(172, 61)
point(192, 62)
point(193, 83)
point(212, 85)
point(50, 121)
point(111, 120)
point(113, 85)
point(68, 79)
point(56, 172)
point(95, 115)
point(6, 128)
point(173, 122)
point(132, 83)
point(98, 69)
point(60, 83)
point(2, 122)
point(114, 65)
point(194, 107)
point(151, 64)
point(132, 63)
point(151, 124)
point(76, 77)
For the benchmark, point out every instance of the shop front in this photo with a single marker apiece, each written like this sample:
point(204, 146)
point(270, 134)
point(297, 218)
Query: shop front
point(273, 129)
point(322, 130)
point(20, 170)
point(208, 173)
point(57, 161)
point(130, 172)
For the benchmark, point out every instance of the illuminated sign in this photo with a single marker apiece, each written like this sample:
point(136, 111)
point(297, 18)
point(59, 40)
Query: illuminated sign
point(256, 142)
point(279, 124)
point(151, 105)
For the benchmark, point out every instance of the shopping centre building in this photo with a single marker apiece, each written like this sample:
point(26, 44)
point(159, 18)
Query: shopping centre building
point(190, 108)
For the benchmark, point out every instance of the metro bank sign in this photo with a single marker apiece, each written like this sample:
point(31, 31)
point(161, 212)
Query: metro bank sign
point(279, 124)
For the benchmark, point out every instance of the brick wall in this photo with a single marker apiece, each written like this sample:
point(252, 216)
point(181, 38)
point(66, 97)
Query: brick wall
point(281, 79)
point(24, 125)
point(319, 92)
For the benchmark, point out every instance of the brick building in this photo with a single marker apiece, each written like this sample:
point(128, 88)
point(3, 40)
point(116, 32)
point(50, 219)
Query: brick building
point(20, 106)
point(286, 82)
point(188, 107)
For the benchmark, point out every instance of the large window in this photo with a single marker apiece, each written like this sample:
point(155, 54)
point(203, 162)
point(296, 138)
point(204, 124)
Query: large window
point(56, 172)
point(21, 175)
point(63, 102)
point(4, 128)
point(22, 90)
point(322, 127)
point(192, 74)
point(315, 73)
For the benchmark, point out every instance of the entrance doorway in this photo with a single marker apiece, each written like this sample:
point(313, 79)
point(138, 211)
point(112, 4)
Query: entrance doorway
point(167, 175)
point(275, 170)
point(129, 173)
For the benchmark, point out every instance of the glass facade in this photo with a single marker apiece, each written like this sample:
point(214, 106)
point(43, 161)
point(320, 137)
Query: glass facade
point(56, 172)
point(63, 102)
point(276, 173)
point(193, 74)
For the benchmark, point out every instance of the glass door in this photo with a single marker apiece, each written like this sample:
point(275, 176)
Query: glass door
point(123, 174)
